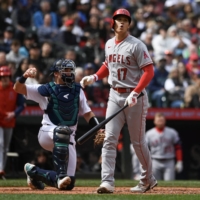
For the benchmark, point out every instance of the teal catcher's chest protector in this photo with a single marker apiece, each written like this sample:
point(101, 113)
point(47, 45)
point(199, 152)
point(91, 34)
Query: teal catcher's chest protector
point(63, 107)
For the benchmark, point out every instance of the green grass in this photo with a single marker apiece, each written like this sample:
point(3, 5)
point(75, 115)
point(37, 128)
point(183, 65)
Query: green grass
point(95, 183)
point(118, 183)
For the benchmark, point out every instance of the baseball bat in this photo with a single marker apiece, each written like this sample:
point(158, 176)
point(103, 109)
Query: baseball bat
point(93, 131)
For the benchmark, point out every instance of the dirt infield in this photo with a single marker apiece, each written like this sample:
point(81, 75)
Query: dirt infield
point(92, 190)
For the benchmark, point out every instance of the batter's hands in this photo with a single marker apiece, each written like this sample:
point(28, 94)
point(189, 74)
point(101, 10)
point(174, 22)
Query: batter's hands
point(31, 73)
point(87, 80)
point(131, 100)
point(179, 166)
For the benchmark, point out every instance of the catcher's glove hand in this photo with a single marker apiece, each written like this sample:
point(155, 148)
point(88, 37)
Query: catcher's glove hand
point(99, 137)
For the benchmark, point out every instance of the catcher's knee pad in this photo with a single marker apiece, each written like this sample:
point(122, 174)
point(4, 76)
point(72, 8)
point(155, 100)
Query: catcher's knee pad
point(61, 134)
point(61, 139)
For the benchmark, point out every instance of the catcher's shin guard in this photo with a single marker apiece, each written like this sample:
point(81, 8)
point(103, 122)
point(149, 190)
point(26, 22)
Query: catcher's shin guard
point(61, 139)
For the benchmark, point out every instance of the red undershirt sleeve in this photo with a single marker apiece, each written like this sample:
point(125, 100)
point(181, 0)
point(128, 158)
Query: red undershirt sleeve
point(145, 79)
point(179, 153)
point(102, 72)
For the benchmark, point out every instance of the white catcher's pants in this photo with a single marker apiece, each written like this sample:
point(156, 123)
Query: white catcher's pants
point(45, 138)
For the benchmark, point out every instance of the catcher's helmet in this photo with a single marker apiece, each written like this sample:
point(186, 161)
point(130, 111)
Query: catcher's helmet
point(120, 11)
point(5, 71)
point(68, 77)
point(56, 65)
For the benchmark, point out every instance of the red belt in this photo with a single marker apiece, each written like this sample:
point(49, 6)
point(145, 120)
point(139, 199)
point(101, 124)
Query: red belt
point(123, 90)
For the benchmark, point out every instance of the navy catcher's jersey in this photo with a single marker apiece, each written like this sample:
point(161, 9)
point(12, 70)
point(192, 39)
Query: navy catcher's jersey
point(63, 106)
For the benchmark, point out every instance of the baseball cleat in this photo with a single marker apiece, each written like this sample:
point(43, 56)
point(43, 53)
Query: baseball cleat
point(141, 188)
point(33, 184)
point(105, 188)
point(63, 183)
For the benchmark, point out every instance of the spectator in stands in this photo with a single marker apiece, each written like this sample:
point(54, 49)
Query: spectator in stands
point(11, 105)
point(185, 29)
point(13, 67)
point(47, 32)
point(3, 61)
point(7, 39)
point(79, 74)
point(193, 64)
point(93, 26)
point(184, 76)
point(71, 54)
point(170, 62)
point(76, 30)
point(21, 18)
point(156, 86)
point(38, 17)
point(62, 11)
point(35, 57)
point(29, 40)
point(162, 41)
point(47, 58)
point(66, 36)
point(175, 88)
point(5, 19)
point(22, 67)
point(14, 55)
point(139, 23)
point(94, 53)
point(192, 94)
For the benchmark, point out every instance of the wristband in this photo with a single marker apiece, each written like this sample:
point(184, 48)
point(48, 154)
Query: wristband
point(93, 122)
point(22, 79)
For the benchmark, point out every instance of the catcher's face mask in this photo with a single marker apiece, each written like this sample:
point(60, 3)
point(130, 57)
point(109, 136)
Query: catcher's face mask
point(67, 72)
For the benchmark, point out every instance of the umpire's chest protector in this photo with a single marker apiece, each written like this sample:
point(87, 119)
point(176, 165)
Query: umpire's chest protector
point(63, 106)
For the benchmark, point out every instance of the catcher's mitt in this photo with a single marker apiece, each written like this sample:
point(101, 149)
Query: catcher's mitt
point(99, 137)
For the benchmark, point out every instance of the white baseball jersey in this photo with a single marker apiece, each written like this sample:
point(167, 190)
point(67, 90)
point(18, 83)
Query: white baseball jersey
point(162, 144)
point(125, 61)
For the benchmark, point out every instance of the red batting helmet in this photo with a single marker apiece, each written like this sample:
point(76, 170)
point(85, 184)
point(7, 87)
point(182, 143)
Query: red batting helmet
point(120, 11)
point(5, 71)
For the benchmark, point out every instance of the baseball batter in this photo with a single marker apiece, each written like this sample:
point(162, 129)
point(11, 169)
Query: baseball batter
point(62, 102)
point(129, 69)
point(165, 146)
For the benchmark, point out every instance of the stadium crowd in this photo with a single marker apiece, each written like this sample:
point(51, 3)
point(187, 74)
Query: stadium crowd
point(35, 33)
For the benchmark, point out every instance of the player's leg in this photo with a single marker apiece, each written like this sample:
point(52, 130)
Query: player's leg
point(112, 131)
point(61, 139)
point(158, 169)
point(135, 164)
point(36, 177)
point(56, 139)
point(169, 171)
point(7, 139)
point(136, 120)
